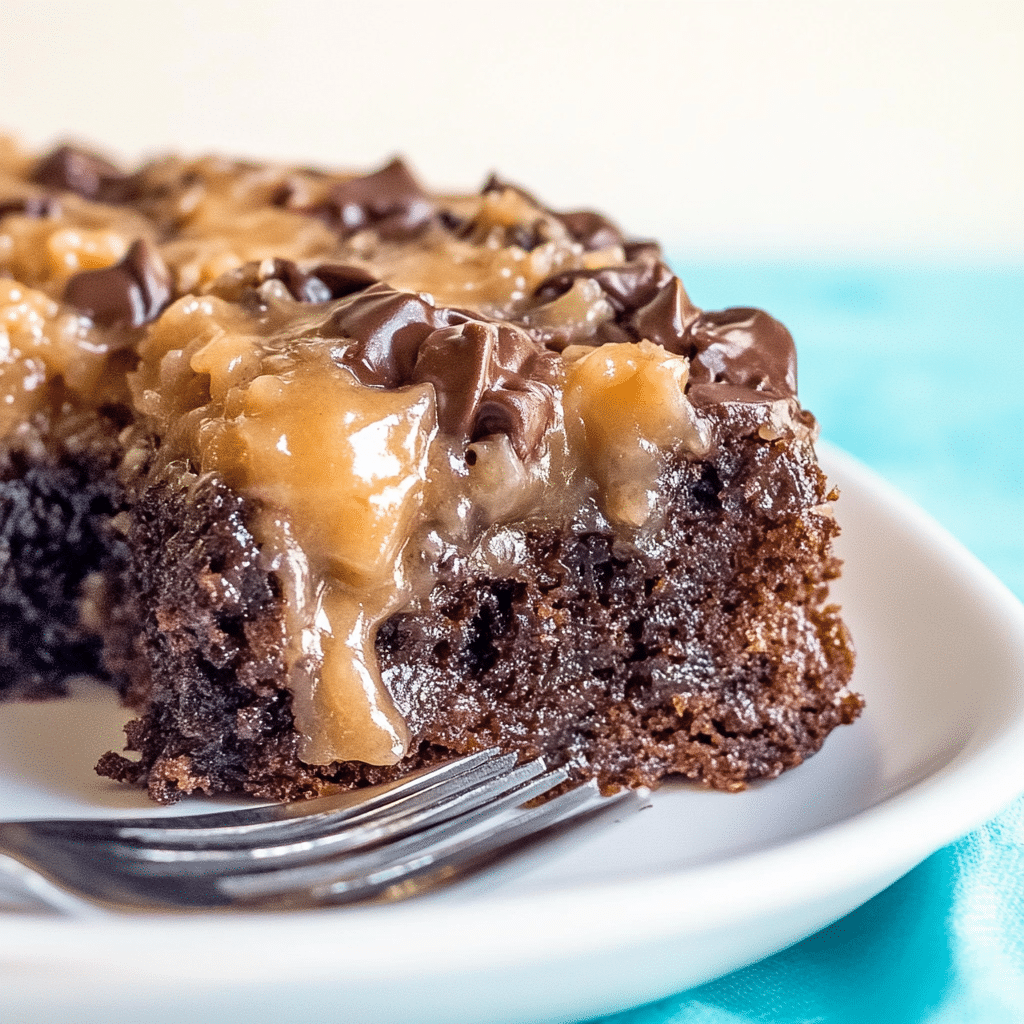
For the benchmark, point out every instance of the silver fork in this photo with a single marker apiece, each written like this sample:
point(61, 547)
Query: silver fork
point(383, 843)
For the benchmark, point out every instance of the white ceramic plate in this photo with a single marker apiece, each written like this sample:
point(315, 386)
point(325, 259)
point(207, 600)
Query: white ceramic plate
point(694, 886)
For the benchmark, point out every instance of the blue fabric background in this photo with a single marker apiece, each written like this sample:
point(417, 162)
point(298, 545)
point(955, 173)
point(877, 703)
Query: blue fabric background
point(919, 372)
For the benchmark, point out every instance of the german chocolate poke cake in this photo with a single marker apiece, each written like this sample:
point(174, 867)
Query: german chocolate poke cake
point(334, 477)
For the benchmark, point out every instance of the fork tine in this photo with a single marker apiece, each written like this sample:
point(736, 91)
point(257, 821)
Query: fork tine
point(397, 873)
point(128, 882)
point(332, 841)
point(413, 862)
point(423, 787)
point(433, 795)
point(414, 849)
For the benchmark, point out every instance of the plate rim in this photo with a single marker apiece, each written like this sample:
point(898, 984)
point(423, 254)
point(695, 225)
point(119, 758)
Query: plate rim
point(353, 932)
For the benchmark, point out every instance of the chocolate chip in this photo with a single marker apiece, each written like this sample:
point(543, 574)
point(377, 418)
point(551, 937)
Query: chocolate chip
point(299, 285)
point(521, 414)
point(341, 279)
point(665, 318)
point(745, 348)
point(525, 237)
point(451, 221)
point(134, 291)
point(590, 229)
point(480, 230)
point(36, 207)
point(611, 333)
point(496, 184)
point(642, 250)
point(390, 201)
point(284, 194)
point(389, 326)
point(489, 378)
point(320, 284)
point(493, 184)
point(87, 174)
point(627, 287)
point(457, 361)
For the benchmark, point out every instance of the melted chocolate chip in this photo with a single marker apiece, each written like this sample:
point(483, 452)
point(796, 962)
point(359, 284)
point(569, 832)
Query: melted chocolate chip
point(301, 286)
point(451, 221)
point(525, 236)
point(88, 175)
point(284, 195)
point(642, 250)
point(389, 326)
point(242, 284)
point(489, 378)
point(341, 279)
point(496, 184)
point(627, 287)
point(36, 207)
point(390, 201)
point(590, 229)
point(611, 333)
point(665, 319)
point(744, 348)
point(134, 291)
point(320, 284)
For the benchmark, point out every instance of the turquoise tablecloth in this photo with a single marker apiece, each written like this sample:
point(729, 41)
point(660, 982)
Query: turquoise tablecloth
point(920, 373)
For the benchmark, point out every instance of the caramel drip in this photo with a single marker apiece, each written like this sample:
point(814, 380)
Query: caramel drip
point(341, 468)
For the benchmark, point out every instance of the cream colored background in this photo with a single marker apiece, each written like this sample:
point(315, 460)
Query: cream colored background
point(885, 130)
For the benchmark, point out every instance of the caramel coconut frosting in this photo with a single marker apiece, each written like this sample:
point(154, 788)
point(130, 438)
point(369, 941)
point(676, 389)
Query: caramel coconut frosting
point(416, 413)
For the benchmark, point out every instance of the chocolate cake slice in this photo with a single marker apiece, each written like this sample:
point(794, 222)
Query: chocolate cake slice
point(382, 475)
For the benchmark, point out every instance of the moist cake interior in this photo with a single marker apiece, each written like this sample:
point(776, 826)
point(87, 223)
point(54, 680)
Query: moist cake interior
point(334, 477)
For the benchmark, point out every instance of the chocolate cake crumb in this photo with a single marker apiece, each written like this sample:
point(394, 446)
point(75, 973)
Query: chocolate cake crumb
point(621, 665)
point(58, 550)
